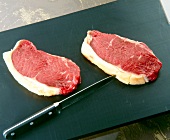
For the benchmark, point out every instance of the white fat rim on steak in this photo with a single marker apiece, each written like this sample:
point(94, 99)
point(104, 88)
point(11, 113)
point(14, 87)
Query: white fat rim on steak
point(29, 83)
point(121, 75)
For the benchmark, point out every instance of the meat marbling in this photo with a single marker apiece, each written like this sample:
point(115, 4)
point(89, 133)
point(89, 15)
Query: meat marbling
point(132, 62)
point(41, 72)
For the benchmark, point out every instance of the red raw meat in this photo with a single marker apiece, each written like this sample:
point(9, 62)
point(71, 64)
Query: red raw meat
point(132, 62)
point(54, 72)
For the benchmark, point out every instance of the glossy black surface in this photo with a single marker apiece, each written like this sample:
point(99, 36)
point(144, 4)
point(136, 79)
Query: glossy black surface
point(36, 119)
point(112, 105)
point(29, 123)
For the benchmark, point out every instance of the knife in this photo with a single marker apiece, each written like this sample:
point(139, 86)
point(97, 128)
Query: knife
point(49, 111)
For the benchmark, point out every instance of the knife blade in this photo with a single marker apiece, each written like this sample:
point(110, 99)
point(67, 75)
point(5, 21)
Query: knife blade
point(49, 111)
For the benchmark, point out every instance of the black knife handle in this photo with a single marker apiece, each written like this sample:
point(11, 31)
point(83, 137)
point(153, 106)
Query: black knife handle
point(29, 122)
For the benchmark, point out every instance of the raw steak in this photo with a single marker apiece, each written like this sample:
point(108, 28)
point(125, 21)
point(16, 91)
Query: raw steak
point(132, 62)
point(41, 72)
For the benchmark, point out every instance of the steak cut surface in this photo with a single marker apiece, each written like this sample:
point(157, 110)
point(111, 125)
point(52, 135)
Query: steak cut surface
point(41, 72)
point(132, 62)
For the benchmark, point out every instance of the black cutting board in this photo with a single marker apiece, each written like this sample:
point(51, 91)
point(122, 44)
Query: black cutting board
point(112, 105)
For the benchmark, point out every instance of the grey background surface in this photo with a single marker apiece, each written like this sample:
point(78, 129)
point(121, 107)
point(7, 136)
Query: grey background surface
point(16, 13)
